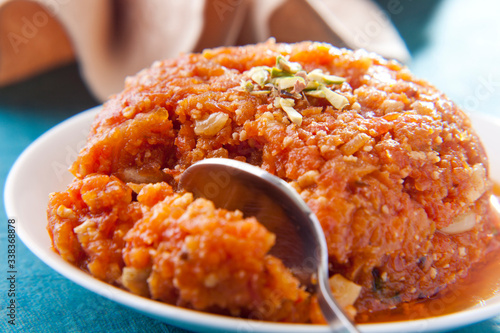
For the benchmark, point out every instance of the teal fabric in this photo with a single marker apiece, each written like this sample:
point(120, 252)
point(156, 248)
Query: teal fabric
point(454, 44)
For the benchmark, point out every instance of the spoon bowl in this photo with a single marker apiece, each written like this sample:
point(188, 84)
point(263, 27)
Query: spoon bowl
point(300, 242)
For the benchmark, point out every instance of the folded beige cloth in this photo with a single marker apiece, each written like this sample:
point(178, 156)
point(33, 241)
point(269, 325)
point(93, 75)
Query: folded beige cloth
point(114, 38)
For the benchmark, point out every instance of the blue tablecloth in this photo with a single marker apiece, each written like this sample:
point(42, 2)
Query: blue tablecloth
point(454, 44)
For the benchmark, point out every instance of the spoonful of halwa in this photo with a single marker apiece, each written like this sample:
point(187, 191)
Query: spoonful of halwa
point(300, 242)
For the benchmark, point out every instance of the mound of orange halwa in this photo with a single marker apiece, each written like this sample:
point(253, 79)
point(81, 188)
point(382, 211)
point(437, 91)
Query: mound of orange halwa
point(391, 167)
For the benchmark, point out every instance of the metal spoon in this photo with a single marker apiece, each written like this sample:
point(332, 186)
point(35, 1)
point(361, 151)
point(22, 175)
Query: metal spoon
point(300, 241)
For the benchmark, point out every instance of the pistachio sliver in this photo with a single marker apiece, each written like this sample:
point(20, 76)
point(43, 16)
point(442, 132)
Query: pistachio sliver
point(288, 82)
point(333, 79)
point(259, 75)
point(316, 93)
point(287, 106)
point(338, 101)
point(276, 72)
point(311, 85)
point(320, 77)
point(260, 92)
point(246, 86)
point(287, 66)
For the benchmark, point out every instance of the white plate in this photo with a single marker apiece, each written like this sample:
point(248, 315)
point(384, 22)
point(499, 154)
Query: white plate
point(42, 168)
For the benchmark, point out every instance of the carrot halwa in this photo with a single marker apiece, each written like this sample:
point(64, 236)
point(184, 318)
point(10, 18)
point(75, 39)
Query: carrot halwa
point(390, 166)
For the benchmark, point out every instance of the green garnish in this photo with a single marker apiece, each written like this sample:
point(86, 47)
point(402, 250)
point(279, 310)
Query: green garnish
point(289, 82)
point(288, 79)
point(287, 106)
point(287, 66)
point(259, 75)
point(276, 72)
point(337, 100)
point(260, 92)
point(316, 75)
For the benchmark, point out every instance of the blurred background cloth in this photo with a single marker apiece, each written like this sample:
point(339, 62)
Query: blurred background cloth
point(114, 38)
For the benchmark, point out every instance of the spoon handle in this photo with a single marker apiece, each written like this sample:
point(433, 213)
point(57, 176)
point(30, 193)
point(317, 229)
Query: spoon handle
point(332, 312)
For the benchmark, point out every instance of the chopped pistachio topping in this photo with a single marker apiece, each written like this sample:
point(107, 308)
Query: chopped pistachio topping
point(337, 100)
point(288, 82)
point(247, 86)
point(259, 75)
point(316, 75)
point(311, 85)
point(288, 79)
point(287, 66)
point(260, 92)
point(287, 106)
point(316, 93)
